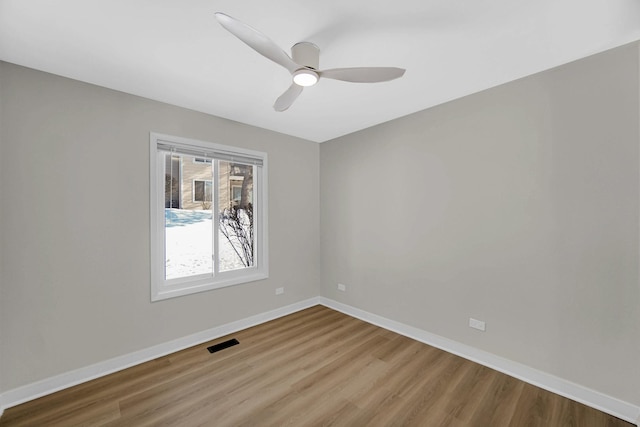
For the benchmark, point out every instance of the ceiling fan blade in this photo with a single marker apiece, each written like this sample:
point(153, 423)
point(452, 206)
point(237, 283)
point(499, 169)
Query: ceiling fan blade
point(286, 99)
point(257, 41)
point(363, 74)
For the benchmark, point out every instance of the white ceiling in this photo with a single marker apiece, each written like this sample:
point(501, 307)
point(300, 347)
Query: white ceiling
point(175, 51)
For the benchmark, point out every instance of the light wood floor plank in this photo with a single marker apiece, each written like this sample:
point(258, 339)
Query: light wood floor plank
point(499, 403)
point(316, 367)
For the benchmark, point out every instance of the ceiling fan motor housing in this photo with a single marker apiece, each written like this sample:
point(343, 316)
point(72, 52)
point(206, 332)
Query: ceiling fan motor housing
point(307, 54)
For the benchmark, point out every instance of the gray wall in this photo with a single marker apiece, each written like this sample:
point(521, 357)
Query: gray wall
point(517, 206)
point(75, 225)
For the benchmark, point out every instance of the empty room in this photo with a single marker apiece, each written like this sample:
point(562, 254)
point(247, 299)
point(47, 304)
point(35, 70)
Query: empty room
point(338, 213)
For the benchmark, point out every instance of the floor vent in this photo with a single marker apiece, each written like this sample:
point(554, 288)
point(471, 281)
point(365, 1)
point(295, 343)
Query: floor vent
point(223, 345)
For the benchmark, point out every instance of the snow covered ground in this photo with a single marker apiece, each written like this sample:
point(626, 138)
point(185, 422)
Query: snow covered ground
point(189, 244)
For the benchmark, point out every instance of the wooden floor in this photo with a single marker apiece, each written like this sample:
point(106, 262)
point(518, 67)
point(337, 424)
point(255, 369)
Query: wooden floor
point(314, 367)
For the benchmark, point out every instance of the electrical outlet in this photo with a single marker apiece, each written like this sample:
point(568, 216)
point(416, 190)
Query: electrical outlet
point(477, 324)
point(342, 287)
point(279, 291)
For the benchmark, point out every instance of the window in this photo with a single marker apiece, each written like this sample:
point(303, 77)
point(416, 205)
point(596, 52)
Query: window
point(201, 160)
point(236, 194)
point(208, 216)
point(202, 191)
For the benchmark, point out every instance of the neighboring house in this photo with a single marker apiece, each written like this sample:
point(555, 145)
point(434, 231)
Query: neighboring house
point(191, 183)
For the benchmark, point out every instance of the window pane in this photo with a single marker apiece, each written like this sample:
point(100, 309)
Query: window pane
point(171, 182)
point(188, 218)
point(236, 232)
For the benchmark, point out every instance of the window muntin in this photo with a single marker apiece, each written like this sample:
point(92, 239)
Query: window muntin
point(213, 233)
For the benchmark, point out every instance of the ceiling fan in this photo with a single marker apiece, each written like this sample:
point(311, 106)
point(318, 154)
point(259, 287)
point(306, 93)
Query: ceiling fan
point(303, 64)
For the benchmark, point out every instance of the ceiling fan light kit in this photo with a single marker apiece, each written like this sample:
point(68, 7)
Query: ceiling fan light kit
point(304, 62)
point(305, 77)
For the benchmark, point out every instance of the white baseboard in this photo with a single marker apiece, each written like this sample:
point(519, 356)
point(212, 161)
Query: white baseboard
point(568, 389)
point(68, 379)
point(587, 396)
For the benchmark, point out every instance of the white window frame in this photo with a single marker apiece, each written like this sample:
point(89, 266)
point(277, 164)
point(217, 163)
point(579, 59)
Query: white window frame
point(163, 289)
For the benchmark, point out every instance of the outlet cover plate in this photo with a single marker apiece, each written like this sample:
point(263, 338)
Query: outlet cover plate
point(477, 324)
